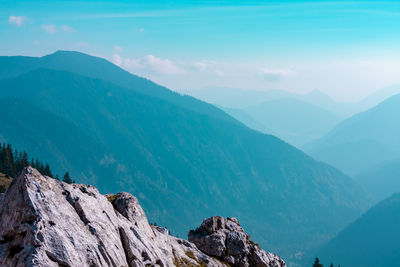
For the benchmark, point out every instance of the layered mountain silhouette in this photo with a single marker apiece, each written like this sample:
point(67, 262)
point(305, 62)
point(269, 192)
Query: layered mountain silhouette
point(372, 240)
point(364, 141)
point(239, 98)
point(293, 120)
point(185, 159)
point(244, 117)
point(381, 181)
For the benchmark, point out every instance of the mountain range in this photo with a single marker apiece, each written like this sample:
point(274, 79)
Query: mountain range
point(242, 98)
point(363, 141)
point(184, 159)
point(292, 120)
point(382, 180)
point(298, 119)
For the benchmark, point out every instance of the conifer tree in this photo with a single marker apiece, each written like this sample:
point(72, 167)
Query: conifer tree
point(12, 162)
point(316, 263)
point(67, 179)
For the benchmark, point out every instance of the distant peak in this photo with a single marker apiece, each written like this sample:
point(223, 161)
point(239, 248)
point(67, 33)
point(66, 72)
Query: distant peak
point(61, 52)
point(72, 54)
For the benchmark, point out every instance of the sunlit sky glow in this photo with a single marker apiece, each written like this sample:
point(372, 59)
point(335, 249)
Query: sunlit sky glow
point(346, 49)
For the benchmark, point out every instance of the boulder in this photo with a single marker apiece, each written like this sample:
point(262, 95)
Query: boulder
point(226, 240)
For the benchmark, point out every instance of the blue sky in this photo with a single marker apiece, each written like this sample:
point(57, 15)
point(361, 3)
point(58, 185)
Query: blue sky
point(346, 49)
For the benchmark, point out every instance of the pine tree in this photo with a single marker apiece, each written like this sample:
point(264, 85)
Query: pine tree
point(47, 171)
point(316, 263)
point(67, 179)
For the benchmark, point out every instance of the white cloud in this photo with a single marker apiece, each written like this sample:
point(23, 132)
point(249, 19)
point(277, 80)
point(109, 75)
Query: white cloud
point(118, 49)
point(66, 28)
point(276, 74)
point(17, 20)
point(133, 63)
point(219, 73)
point(164, 66)
point(49, 28)
point(199, 66)
point(117, 60)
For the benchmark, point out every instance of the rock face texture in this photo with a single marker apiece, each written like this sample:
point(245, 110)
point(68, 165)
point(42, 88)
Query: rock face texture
point(225, 240)
point(45, 222)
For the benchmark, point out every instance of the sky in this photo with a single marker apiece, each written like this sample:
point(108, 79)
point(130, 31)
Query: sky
point(347, 49)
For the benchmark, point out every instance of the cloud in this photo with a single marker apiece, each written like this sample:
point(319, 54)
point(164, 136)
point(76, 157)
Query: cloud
point(199, 66)
point(151, 66)
point(276, 74)
point(118, 49)
point(52, 29)
point(49, 28)
point(117, 60)
point(141, 30)
point(164, 66)
point(219, 73)
point(17, 20)
point(133, 64)
point(66, 28)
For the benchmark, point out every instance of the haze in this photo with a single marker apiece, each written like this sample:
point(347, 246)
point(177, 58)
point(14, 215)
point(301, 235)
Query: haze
point(345, 49)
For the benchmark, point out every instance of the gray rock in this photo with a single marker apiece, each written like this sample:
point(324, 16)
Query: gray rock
point(45, 222)
point(226, 240)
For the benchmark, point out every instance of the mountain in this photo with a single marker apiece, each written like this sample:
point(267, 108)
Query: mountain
point(381, 181)
point(99, 68)
point(236, 97)
point(378, 97)
point(363, 141)
point(246, 119)
point(184, 163)
point(372, 240)
point(45, 222)
point(239, 98)
point(293, 120)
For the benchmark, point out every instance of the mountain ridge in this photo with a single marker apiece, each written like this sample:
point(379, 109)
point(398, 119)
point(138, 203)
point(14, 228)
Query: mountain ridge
point(178, 161)
point(375, 234)
point(364, 140)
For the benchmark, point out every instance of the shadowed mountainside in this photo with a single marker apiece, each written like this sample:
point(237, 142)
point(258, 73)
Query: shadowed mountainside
point(182, 162)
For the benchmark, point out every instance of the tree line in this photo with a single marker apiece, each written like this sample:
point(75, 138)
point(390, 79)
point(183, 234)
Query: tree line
point(13, 161)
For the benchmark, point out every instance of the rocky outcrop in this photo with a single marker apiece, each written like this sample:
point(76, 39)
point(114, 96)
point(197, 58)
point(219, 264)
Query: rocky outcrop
point(45, 222)
point(226, 240)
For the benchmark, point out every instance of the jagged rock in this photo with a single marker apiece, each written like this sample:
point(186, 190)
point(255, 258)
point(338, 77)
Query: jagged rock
point(45, 222)
point(226, 240)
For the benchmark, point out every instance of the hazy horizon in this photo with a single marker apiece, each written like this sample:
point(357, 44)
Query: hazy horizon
point(347, 50)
